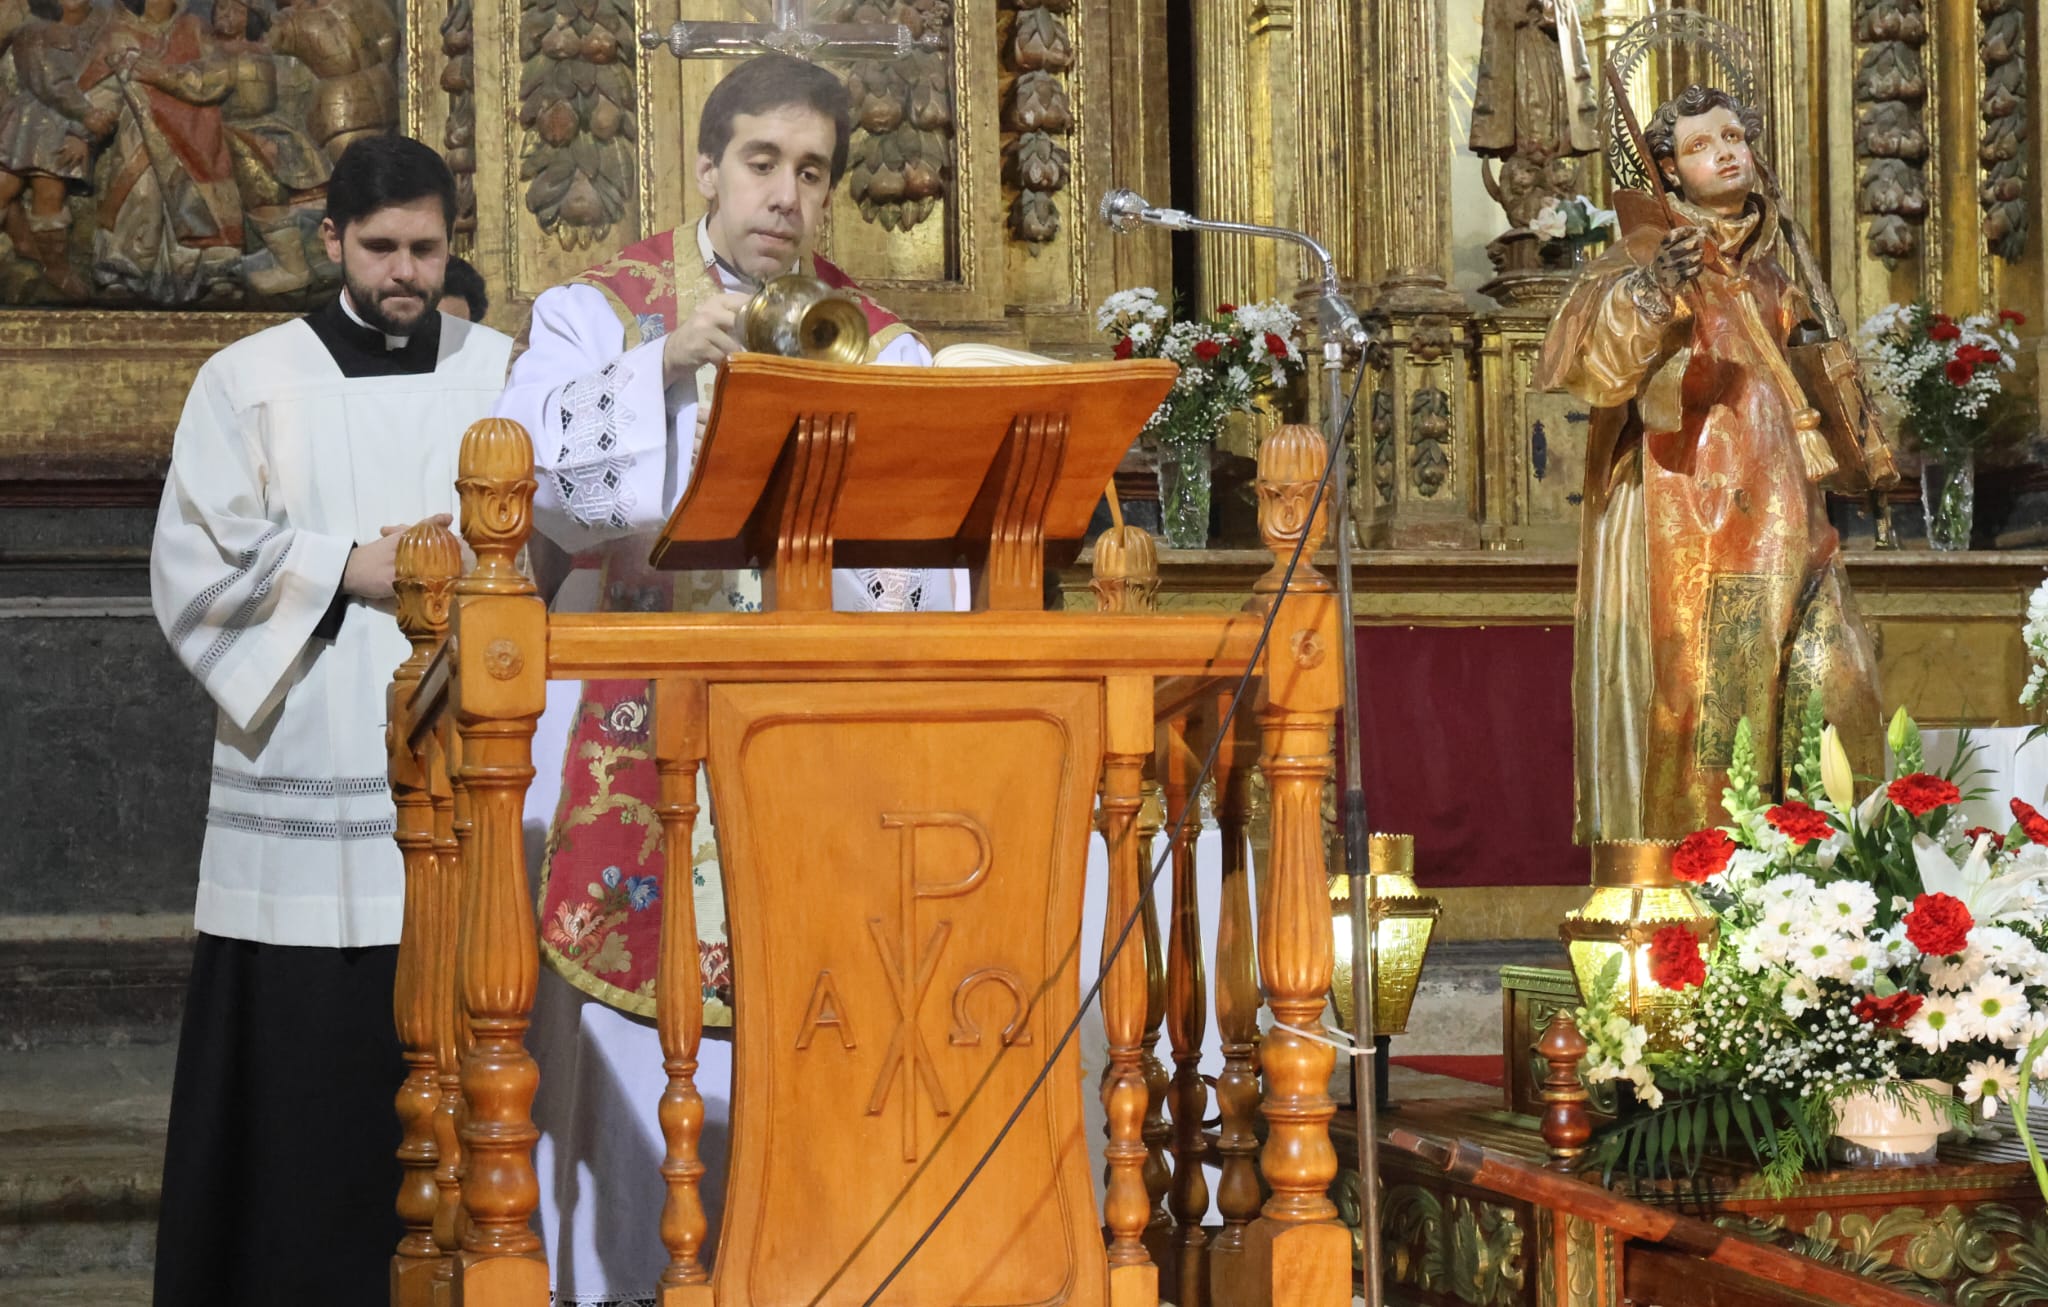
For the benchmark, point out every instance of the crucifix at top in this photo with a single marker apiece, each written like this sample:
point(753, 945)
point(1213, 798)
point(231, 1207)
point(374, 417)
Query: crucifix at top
point(789, 32)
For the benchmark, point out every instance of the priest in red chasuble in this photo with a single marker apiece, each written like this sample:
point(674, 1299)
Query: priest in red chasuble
point(1711, 585)
point(614, 369)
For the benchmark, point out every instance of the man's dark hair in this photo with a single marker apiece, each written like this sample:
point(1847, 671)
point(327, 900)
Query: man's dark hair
point(49, 11)
point(377, 172)
point(772, 81)
point(1690, 103)
point(465, 281)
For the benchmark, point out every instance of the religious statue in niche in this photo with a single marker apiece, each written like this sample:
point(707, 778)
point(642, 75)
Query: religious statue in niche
point(1533, 110)
point(1711, 586)
point(175, 153)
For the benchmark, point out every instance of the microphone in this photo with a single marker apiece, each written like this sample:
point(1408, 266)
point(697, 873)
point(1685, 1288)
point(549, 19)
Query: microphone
point(1124, 210)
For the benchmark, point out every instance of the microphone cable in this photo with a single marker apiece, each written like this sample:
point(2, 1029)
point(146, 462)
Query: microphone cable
point(1145, 896)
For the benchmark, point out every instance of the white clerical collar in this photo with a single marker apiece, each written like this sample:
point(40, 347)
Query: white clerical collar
point(728, 276)
point(390, 341)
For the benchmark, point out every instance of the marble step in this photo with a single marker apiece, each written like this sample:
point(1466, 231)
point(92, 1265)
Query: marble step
point(71, 991)
point(100, 1289)
point(81, 1165)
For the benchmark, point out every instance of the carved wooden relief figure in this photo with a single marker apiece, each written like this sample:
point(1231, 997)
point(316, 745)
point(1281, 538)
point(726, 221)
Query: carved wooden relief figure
point(166, 152)
point(1533, 110)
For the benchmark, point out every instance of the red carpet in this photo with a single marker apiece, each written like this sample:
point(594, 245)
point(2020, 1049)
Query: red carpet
point(1479, 1068)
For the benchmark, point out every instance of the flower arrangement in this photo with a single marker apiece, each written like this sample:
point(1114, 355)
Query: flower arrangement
point(1226, 361)
point(1573, 221)
point(1863, 943)
point(2035, 635)
point(1942, 375)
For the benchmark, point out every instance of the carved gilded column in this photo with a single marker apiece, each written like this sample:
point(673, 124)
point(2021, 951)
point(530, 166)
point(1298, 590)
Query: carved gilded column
point(1409, 228)
point(1235, 159)
point(500, 689)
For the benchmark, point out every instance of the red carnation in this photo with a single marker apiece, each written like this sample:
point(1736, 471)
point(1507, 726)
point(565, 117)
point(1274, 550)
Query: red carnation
point(1921, 793)
point(1958, 372)
point(1939, 925)
point(1997, 840)
point(1888, 1013)
point(1675, 961)
point(1276, 346)
point(2032, 823)
point(1943, 328)
point(2014, 316)
point(1207, 350)
point(1226, 308)
point(1801, 824)
point(1702, 855)
point(1123, 348)
point(1976, 355)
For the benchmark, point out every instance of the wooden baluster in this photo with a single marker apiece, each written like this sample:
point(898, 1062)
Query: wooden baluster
point(1306, 1253)
point(1157, 1133)
point(1238, 1192)
point(1126, 579)
point(427, 562)
point(500, 689)
point(1567, 1122)
point(1133, 1278)
point(679, 745)
point(1187, 1007)
point(452, 830)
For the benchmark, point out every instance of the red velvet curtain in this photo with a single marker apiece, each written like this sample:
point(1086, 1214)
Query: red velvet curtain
point(1467, 744)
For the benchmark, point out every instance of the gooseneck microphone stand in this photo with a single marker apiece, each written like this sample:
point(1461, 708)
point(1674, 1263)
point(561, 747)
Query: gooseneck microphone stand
point(1341, 330)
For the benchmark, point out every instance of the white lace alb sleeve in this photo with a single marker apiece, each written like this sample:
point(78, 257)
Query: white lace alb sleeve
point(237, 593)
point(604, 432)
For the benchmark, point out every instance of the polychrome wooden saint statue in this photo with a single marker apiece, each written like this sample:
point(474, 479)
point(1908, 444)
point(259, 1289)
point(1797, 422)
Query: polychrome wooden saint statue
point(1711, 586)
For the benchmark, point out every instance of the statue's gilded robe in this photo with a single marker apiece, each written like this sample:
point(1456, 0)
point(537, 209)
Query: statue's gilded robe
point(1710, 582)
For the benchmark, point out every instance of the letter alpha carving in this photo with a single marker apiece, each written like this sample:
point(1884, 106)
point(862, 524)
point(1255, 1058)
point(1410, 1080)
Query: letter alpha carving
point(826, 1009)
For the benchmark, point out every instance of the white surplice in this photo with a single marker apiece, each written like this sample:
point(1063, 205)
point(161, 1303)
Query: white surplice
point(612, 450)
point(280, 465)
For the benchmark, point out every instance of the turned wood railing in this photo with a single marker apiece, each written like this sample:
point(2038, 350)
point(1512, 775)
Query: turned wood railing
point(463, 710)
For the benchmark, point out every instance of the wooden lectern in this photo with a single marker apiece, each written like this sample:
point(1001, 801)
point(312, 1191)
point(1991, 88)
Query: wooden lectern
point(905, 802)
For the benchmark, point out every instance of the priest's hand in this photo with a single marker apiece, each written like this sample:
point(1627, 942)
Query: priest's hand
point(1679, 258)
point(373, 567)
point(706, 336)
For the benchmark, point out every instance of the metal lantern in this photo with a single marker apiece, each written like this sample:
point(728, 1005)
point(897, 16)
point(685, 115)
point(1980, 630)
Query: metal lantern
point(1634, 896)
point(1403, 920)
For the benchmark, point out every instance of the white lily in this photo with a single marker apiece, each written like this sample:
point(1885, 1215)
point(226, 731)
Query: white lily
point(1837, 777)
point(1988, 896)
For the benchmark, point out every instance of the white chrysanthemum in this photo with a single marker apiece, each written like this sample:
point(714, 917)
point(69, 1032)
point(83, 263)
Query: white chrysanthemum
point(1791, 891)
point(1749, 952)
point(1142, 333)
point(1952, 975)
point(1895, 948)
point(1861, 962)
point(1821, 955)
point(1992, 1008)
point(1933, 1027)
point(1800, 995)
point(1990, 1082)
point(1847, 905)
